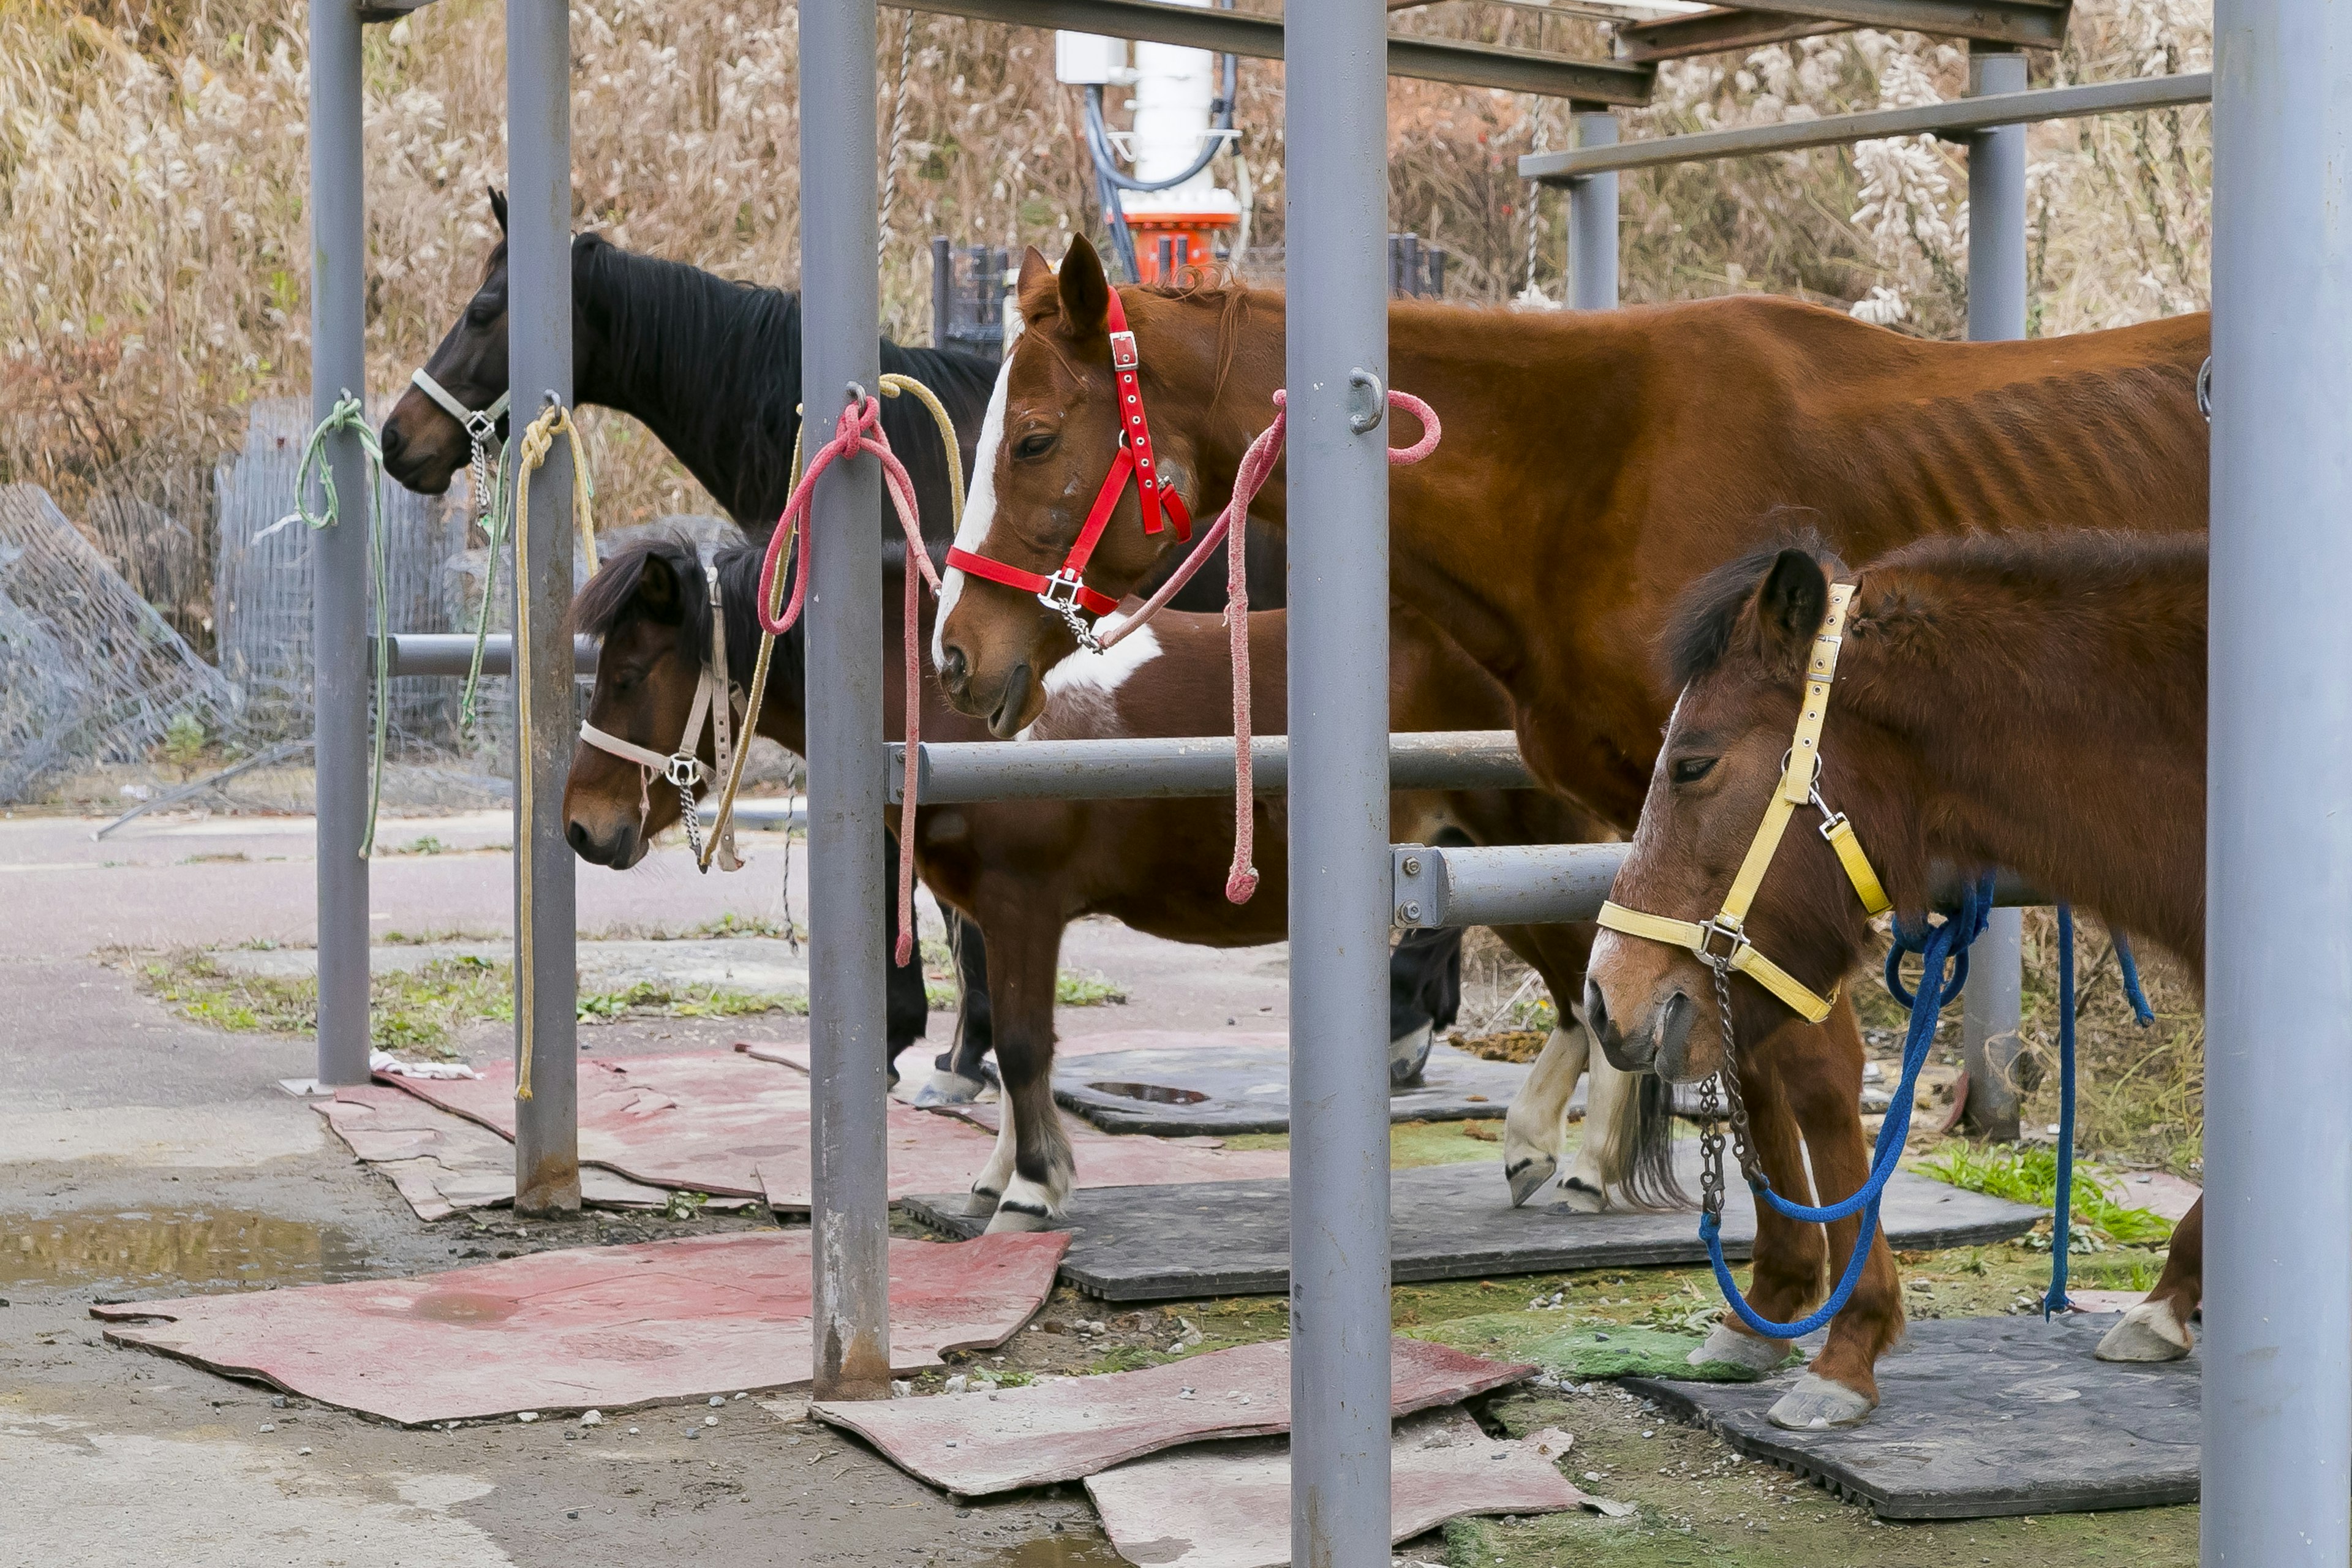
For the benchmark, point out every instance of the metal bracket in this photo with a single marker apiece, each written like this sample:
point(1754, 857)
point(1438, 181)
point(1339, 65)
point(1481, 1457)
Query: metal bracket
point(1368, 401)
point(1421, 886)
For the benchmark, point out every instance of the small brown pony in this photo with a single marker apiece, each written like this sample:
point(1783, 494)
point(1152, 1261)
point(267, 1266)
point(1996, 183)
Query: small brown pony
point(1595, 464)
point(1021, 870)
point(2036, 702)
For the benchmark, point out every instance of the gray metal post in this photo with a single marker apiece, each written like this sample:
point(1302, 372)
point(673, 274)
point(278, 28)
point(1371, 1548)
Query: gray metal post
point(1990, 1009)
point(846, 919)
point(340, 554)
point(1336, 118)
point(1592, 218)
point(538, 361)
point(2278, 1062)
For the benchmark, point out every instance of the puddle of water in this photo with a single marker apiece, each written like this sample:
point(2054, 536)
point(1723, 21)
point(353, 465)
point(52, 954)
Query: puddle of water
point(192, 1250)
point(1056, 1552)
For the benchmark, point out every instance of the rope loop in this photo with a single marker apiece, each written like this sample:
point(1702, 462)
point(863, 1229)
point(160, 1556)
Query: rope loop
point(348, 416)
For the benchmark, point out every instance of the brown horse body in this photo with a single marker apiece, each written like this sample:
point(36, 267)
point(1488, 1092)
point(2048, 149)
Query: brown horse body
point(1593, 464)
point(1021, 870)
point(2034, 702)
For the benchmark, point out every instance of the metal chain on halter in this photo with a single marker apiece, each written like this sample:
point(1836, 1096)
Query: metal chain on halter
point(898, 159)
point(681, 779)
point(1726, 1079)
point(1080, 627)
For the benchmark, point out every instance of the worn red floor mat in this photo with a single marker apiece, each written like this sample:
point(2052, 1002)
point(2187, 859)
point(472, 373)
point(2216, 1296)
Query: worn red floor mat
point(980, 1443)
point(607, 1327)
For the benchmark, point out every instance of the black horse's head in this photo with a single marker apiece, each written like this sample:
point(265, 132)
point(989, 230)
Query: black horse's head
point(423, 444)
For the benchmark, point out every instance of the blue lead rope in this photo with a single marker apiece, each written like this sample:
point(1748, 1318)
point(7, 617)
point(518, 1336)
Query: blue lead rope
point(1944, 952)
point(2062, 1205)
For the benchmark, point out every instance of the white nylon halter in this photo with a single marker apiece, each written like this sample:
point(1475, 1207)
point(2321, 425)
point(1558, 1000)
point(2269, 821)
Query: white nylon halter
point(714, 701)
point(479, 422)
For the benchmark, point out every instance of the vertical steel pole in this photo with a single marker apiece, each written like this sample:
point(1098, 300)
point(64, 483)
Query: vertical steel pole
point(2278, 1045)
point(1336, 118)
point(846, 915)
point(1592, 218)
point(339, 555)
point(1989, 1014)
point(539, 362)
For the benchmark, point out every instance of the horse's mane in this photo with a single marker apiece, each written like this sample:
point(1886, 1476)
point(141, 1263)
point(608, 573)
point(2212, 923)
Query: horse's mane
point(739, 346)
point(1698, 633)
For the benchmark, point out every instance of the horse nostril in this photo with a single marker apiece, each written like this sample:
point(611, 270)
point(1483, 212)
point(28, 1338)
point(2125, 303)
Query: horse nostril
point(388, 440)
point(957, 669)
point(582, 844)
point(1596, 1012)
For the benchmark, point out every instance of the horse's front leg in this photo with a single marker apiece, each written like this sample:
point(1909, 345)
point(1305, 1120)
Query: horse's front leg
point(1031, 1170)
point(956, 1077)
point(2158, 1328)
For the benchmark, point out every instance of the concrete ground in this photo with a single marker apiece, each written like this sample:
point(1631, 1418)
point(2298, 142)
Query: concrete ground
point(143, 1156)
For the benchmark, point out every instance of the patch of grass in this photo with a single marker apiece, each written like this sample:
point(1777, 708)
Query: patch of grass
point(425, 844)
point(1074, 989)
point(233, 858)
point(941, 998)
point(683, 1205)
point(409, 1012)
point(649, 996)
point(2028, 1174)
point(729, 924)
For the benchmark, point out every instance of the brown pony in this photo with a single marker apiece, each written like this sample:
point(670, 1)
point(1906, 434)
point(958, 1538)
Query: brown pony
point(1594, 465)
point(1024, 869)
point(2036, 702)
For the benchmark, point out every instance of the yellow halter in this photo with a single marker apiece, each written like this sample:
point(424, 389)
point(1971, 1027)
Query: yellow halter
point(1800, 786)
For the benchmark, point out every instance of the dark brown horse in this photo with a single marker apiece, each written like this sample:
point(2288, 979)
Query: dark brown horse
point(1021, 870)
point(2036, 702)
point(1594, 465)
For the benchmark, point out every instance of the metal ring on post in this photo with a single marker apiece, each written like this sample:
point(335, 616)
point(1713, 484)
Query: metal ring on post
point(1368, 401)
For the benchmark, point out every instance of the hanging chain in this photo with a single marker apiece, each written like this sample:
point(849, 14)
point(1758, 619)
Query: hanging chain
point(688, 812)
point(1711, 1109)
point(897, 140)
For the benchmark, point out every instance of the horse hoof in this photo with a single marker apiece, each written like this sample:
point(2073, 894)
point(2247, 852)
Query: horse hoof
point(949, 1089)
point(1817, 1404)
point(1408, 1054)
point(2150, 1332)
point(980, 1201)
point(1527, 1177)
point(1013, 1221)
point(1582, 1197)
point(1751, 1352)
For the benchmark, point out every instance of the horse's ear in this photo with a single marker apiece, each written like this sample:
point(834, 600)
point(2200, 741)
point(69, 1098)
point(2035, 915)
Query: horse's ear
point(499, 207)
point(1086, 293)
point(1790, 604)
point(1038, 294)
point(658, 596)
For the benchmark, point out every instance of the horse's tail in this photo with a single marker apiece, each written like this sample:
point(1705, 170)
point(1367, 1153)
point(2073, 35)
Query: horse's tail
point(1637, 1150)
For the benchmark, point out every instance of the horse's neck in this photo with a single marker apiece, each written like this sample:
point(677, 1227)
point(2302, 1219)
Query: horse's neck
point(2063, 742)
point(784, 714)
point(720, 394)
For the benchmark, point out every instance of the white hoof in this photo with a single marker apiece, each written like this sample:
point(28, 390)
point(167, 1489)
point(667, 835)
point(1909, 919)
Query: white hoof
point(1527, 1177)
point(1817, 1404)
point(949, 1088)
point(2150, 1332)
point(1582, 1197)
point(1016, 1220)
point(1752, 1351)
point(1408, 1054)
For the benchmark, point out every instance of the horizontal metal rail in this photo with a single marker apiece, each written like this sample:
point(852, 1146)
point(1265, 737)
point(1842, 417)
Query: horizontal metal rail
point(1260, 38)
point(966, 772)
point(772, 815)
point(452, 653)
point(2028, 24)
point(1551, 884)
point(1948, 120)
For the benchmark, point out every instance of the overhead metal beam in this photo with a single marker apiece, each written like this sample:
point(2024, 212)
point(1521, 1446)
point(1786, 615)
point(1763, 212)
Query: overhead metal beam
point(2025, 24)
point(1260, 38)
point(1948, 120)
point(963, 771)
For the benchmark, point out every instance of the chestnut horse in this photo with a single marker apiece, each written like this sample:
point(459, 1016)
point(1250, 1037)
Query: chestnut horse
point(1021, 870)
point(2036, 702)
point(1594, 464)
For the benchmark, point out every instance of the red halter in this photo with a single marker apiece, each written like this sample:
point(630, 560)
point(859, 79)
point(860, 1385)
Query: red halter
point(1066, 592)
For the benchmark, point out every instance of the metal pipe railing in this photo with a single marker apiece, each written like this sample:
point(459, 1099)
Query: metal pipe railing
point(1167, 769)
point(1967, 115)
point(452, 653)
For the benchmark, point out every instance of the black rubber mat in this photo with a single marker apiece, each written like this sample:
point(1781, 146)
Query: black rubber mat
point(1186, 1090)
point(1448, 1222)
point(1979, 1417)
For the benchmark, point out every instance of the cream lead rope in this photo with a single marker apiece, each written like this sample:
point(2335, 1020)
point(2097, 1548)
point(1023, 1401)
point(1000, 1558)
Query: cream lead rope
point(531, 451)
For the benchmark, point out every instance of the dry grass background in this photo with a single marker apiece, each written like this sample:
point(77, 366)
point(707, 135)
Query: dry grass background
point(153, 192)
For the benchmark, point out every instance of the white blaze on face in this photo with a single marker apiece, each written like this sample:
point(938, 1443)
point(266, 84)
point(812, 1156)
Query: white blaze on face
point(979, 507)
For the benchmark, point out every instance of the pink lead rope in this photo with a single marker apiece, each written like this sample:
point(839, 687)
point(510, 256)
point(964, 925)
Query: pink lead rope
point(1258, 463)
point(859, 430)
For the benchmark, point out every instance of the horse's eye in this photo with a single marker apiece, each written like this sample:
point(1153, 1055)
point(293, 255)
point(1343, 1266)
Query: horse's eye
point(482, 312)
point(1690, 769)
point(1029, 448)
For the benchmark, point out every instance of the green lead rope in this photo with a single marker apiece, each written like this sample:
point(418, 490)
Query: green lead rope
point(495, 514)
point(351, 417)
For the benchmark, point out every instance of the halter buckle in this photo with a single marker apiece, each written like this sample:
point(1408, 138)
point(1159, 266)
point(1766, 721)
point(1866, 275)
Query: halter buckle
point(1060, 594)
point(683, 770)
point(1122, 352)
point(1728, 928)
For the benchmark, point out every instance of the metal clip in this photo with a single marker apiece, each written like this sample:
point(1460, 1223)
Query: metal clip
point(683, 770)
point(1729, 930)
point(1368, 401)
point(1060, 595)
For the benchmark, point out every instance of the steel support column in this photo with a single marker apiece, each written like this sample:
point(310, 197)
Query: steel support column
point(539, 364)
point(1989, 1012)
point(2278, 1062)
point(339, 555)
point(1336, 120)
point(1592, 218)
point(846, 918)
